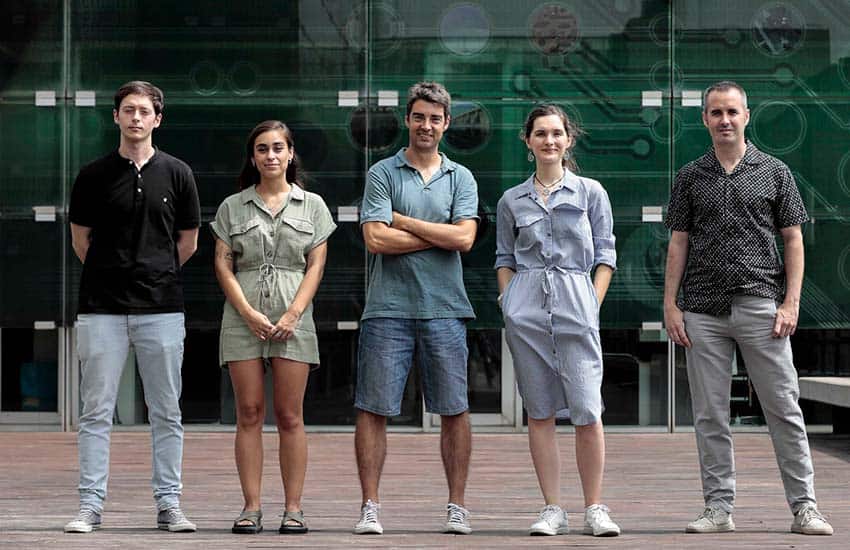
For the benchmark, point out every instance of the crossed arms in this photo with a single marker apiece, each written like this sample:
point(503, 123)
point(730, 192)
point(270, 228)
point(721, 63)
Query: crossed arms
point(406, 234)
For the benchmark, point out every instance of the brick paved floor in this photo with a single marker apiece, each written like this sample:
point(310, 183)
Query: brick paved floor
point(651, 485)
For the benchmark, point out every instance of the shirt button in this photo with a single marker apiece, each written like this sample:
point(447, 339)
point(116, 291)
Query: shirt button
point(271, 233)
point(139, 189)
point(269, 254)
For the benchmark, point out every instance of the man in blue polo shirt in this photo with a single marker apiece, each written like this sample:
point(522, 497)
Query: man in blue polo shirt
point(419, 213)
point(134, 222)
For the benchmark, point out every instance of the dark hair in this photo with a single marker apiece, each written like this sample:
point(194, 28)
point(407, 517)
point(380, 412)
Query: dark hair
point(249, 175)
point(140, 87)
point(432, 92)
point(573, 130)
point(722, 86)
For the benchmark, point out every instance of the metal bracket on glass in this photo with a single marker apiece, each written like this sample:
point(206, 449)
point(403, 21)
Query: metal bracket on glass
point(44, 213)
point(84, 98)
point(652, 331)
point(691, 98)
point(387, 98)
point(45, 98)
point(347, 325)
point(650, 98)
point(651, 214)
point(348, 98)
point(44, 325)
point(347, 214)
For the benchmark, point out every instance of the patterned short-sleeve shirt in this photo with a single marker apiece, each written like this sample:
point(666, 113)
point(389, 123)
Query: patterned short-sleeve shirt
point(732, 221)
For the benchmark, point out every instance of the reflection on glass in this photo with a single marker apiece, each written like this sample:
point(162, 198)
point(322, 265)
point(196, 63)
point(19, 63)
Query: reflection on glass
point(29, 370)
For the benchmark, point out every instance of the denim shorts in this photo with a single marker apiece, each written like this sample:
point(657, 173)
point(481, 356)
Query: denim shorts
point(386, 351)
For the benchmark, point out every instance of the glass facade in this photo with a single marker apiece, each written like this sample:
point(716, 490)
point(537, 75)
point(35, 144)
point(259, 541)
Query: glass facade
point(629, 71)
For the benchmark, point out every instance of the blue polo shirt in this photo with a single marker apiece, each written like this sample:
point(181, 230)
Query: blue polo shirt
point(427, 284)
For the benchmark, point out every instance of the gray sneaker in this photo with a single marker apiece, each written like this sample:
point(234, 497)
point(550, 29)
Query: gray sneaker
point(87, 520)
point(711, 520)
point(808, 521)
point(174, 520)
point(457, 519)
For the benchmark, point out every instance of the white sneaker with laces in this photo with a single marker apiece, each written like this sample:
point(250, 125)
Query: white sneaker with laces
point(808, 521)
point(598, 523)
point(174, 520)
point(369, 524)
point(711, 520)
point(551, 521)
point(457, 519)
point(87, 520)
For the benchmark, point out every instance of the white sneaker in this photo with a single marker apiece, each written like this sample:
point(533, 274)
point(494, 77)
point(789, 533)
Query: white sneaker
point(369, 524)
point(87, 520)
point(808, 521)
point(174, 520)
point(551, 521)
point(457, 519)
point(711, 520)
point(598, 523)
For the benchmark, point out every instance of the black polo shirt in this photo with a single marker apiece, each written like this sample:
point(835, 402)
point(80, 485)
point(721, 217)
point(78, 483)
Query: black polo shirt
point(132, 265)
point(732, 221)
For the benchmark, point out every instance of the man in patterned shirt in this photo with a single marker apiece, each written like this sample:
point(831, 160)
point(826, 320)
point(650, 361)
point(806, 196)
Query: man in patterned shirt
point(725, 211)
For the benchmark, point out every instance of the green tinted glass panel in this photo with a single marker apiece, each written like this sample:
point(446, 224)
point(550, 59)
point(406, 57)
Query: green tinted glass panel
point(826, 287)
point(30, 155)
point(595, 50)
point(31, 52)
point(219, 50)
point(773, 49)
point(31, 271)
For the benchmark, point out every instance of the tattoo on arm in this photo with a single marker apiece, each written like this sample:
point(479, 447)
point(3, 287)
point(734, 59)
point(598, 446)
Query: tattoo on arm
point(225, 254)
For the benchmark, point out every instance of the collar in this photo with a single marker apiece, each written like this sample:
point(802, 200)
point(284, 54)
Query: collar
point(752, 157)
point(250, 195)
point(570, 183)
point(446, 164)
point(151, 160)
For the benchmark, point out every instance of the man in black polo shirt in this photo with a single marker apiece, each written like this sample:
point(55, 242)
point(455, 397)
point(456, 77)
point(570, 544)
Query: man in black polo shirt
point(134, 222)
point(725, 211)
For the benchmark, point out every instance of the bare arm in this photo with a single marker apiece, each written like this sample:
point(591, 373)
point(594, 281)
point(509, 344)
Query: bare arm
point(257, 322)
point(80, 240)
point(788, 313)
point(677, 256)
point(448, 236)
point(187, 244)
point(601, 281)
point(305, 293)
point(383, 239)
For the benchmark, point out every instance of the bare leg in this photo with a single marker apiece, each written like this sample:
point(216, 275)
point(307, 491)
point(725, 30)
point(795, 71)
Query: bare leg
point(456, 448)
point(590, 459)
point(247, 379)
point(546, 457)
point(290, 382)
point(370, 446)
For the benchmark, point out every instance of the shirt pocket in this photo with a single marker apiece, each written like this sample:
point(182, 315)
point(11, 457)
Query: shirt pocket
point(299, 237)
point(246, 241)
point(531, 231)
point(571, 222)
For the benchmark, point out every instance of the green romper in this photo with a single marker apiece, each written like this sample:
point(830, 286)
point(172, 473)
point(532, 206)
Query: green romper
point(270, 258)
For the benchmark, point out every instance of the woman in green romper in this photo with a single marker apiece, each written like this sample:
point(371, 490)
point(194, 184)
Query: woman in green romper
point(269, 258)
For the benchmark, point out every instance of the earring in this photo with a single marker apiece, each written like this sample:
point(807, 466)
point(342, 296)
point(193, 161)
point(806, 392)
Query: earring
point(567, 156)
point(530, 156)
point(253, 163)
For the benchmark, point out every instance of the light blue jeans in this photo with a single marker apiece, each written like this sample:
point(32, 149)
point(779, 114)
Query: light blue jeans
point(103, 343)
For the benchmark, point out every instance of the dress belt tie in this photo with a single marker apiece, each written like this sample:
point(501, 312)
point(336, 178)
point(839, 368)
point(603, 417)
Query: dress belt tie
point(267, 275)
point(547, 275)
